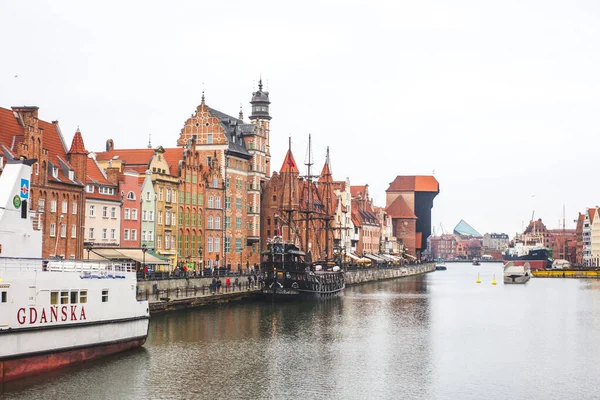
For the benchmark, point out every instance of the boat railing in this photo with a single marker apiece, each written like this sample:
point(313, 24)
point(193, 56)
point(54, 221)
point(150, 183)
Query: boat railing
point(39, 264)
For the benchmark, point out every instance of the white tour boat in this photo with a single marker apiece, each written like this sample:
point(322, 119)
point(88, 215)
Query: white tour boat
point(516, 273)
point(54, 313)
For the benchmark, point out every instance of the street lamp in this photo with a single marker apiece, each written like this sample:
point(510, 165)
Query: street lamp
point(144, 250)
point(88, 248)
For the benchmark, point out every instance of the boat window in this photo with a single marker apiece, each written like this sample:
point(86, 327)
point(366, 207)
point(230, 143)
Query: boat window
point(105, 295)
point(83, 296)
point(74, 295)
point(54, 297)
point(4, 297)
point(64, 297)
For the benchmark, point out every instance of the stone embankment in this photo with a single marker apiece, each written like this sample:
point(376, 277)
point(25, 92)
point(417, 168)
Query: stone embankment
point(371, 275)
point(178, 294)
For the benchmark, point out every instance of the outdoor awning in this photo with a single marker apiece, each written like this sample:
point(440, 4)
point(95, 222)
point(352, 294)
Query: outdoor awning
point(364, 260)
point(127, 254)
point(409, 256)
point(352, 256)
point(375, 258)
point(387, 257)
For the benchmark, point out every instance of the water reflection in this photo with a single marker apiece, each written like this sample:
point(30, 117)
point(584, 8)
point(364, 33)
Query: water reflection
point(439, 336)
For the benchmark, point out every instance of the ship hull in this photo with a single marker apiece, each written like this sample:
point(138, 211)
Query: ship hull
point(537, 258)
point(533, 264)
point(22, 367)
point(289, 294)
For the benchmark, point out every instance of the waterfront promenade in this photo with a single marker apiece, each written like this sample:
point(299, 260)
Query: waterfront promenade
point(181, 293)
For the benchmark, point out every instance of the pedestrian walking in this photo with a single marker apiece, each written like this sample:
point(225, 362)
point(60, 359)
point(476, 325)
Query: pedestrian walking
point(228, 283)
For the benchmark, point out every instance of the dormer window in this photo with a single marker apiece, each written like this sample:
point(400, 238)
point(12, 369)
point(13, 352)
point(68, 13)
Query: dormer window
point(71, 175)
point(1, 161)
point(90, 188)
point(55, 172)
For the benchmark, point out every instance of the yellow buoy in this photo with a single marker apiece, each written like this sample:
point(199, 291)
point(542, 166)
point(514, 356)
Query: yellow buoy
point(478, 279)
point(494, 280)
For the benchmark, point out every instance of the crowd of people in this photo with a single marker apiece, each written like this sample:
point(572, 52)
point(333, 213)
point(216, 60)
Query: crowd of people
point(253, 281)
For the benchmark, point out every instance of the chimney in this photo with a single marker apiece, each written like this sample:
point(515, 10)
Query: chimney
point(112, 174)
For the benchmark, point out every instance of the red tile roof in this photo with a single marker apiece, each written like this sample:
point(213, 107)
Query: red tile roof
point(356, 190)
point(400, 209)
point(95, 173)
point(173, 156)
point(592, 212)
point(128, 156)
point(9, 127)
point(289, 164)
point(77, 146)
point(418, 183)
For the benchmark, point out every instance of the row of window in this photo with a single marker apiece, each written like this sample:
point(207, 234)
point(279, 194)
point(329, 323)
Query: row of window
point(73, 296)
point(130, 234)
point(130, 214)
point(102, 189)
point(63, 230)
point(191, 198)
point(213, 245)
point(53, 206)
point(105, 212)
point(113, 234)
point(68, 297)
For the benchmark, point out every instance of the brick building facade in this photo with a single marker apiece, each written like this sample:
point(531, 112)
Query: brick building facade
point(57, 181)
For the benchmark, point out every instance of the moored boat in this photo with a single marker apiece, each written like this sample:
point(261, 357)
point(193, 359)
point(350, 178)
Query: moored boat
point(537, 256)
point(476, 261)
point(55, 313)
point(514, 273)
point(289, 275)
point(440, 266)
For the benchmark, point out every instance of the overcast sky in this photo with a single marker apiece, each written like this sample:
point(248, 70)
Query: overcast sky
point(500, 99)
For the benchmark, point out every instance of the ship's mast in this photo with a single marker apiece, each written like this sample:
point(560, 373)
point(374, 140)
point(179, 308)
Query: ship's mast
point(308, 164)
point(327, 201)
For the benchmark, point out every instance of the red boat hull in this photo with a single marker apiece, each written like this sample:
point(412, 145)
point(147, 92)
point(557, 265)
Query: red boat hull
point(32, 365)
point(533, 264)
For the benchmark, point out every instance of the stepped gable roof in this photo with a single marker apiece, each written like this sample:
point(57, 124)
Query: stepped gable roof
point(235, 129)
point(289, 164)
point(536, 227)
point(400, 209)
point(462, 228)
point(77, 146)
point(416, 183)
point(130, 157)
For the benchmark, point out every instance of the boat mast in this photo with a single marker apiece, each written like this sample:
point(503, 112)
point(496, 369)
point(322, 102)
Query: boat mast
point(327, 200)
point(309, 200)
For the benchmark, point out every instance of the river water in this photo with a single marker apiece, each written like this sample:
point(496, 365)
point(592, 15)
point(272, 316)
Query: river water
point(436, 336)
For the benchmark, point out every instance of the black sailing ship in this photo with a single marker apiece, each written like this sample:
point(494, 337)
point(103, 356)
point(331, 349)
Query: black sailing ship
point(290, 273)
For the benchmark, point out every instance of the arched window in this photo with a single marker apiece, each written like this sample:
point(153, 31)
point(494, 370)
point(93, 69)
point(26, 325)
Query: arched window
point(130, 196)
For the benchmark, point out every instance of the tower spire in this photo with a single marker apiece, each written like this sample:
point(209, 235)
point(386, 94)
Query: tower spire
point(241, 115)
point(149, 140)
point(203, 98)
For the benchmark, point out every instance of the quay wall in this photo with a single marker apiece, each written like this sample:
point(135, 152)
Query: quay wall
point(371, 275)
point(178, 294)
